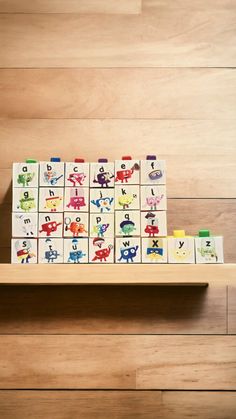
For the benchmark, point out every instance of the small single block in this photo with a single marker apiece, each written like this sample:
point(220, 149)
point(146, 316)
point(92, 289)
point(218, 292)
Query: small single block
point(76, 225)
point(153, 198)
point(25, 200)
point(51, 174)
point(76, 250)
point(153, 224)
point(128, 250)
point(181, 248)
point(76, 174)
point(127, 171)
point(127, 197)
point(50, 250)
point(154, 250)
point(102, 175)
point(101, 225)
point(209, 249)
point(76, 199)
point(102, 200)
point(24, 225)
point(50, 224)
point(153, 172)
point(24, 251)
point(127, 223)
point(101, 250)
point(151, 157)
point(25, 175)
point(51, 199)
point(55, 159)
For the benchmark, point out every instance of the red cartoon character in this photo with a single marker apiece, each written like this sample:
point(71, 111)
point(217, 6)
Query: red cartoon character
point(124, 175)
point(152, 230)
point(102, 254)
point(77, 229)
point(49, 227)
point(77, 199)
point(76, 178)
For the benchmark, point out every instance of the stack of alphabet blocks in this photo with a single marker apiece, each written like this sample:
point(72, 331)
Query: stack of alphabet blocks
point(101, 212)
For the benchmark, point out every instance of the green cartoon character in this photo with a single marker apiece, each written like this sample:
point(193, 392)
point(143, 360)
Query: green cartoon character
point(25, 178)
point(127, 227)
point(27, 201)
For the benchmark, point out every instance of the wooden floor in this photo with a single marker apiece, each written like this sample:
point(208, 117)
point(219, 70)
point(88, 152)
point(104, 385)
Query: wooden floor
point(85, 78)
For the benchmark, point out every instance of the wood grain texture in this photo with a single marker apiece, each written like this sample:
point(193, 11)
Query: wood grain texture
point(71, 6)
point(118, 93)
point(232, 309)
point(113, 310)
point(132, 362)
point(159, 37)
point(118, 404)
point(201, 152)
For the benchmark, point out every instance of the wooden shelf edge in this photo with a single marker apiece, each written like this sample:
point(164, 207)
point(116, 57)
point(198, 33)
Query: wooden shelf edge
point(117, 274)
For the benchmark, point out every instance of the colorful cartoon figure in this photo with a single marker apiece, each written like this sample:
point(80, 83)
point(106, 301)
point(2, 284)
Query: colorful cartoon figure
point(207, 250)
point(28, 226)
point(102, 254)
point(181, 252)
point(104, 204)
point(76, 199)
point(153, 201)
point(52, 203)
point(154, 253)
point(100, 229)
point(128, 253)
point(155, 174)
point(49, 227)
point(23, 251)
point(50, 176)
point(76, 178)
point(76, 228)
point(103, 178)
point(75, 255)
point(124, 175)
point(98, 241)
point(27, 201)
point(51, 255)
point(151, 228)
point(127, 227)
point(25, 178)
point(126, 200)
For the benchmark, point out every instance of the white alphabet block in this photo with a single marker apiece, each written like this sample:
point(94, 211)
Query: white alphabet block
point(76, 174)
point(101, 250)
point(24, 251)
point(102, 175)
point(127, 172)
point(153, 198)
point(24, 225)
point(127, 197)
point(127, 223)
point(209, 249)
point(101, 200)
point(76, 225)
point(154, 250)
point(101, 225)
point(51, 199)
point(50, 250)
point(76, 199)
point(153, 172)
point(50, 224)
point(128, 250)
point(153, 224)
point(51, 174)
point(25, 200)
point(25, 175)
point(181, 250)
point(76, 250)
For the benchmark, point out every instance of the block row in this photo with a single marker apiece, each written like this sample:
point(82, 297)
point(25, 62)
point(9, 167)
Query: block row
point(102, 174)
point(72, 224)
point(123, 250)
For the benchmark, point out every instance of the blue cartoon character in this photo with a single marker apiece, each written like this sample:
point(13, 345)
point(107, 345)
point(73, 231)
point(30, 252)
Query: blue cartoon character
point(51, 254)
point(128, 253)
point(75, 254)
point(127, 227)
point(103, 204)
point(100, 229)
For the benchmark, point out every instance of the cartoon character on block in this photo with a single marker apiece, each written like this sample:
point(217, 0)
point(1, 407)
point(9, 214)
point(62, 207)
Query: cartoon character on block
point(127, 227)
point(153, 202)
point(25, 179)
point(207, 250)
point(77, 228)
point(151, 228)
point(126, 200)
point(102, 254)
point(155, 252)
point(27, 201)
point(75, 255)
point(52, 203)
point(49, 227)
point(23, 251)
point(77, 200)
point(50, 176)
point(103, 178)
point(124, 175)
point(76, 178)
point(103, 204)
point(28, 224)
point(182, 250)
point(51, 254)
point(128, 253)
point(100, 229)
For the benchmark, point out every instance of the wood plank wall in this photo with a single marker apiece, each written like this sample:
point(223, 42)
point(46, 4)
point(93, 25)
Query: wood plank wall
point(88, 77)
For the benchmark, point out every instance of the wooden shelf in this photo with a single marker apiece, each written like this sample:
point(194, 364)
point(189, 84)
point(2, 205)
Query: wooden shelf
point(142, 274)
